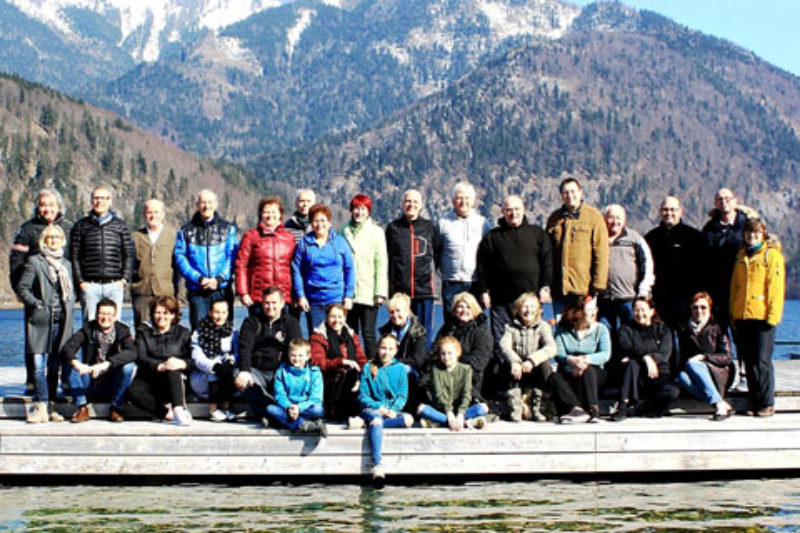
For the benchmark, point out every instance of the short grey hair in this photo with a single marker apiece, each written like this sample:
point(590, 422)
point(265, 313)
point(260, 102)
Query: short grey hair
point(609, 207)
point(301, 191)
point(206, 191)
point(48, 192)
point(463, 186)
point(155, 201)
point(105, 188)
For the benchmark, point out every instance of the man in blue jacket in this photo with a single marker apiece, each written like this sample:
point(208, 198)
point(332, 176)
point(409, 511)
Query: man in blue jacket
point(205, 250)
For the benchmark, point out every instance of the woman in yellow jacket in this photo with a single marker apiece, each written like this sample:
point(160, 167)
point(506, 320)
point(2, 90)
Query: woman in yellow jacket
point(757, 291)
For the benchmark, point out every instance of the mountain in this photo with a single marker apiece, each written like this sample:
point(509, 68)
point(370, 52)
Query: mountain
point(632, 104)
point(50, 140)
point(306, 70)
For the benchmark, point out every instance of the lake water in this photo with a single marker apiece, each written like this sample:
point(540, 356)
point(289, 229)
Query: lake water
point(551, 505)
point(754, 505)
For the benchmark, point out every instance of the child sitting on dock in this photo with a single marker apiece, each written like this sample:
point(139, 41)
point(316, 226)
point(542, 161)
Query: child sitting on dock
point(451, 390)
point(383, 393)
point(214, 344)
point(298, 393)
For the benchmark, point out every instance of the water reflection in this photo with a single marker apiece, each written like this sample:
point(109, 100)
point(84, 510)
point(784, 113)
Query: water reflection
point(761, 505)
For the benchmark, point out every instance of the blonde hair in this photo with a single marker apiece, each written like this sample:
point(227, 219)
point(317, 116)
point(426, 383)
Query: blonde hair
point(399, 299)
point(449, 339)
point(49, 230)
point(300, 344)
point(468, 299)
point(520, 301)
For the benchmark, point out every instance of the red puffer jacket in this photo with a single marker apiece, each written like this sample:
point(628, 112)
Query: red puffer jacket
point(264, 259)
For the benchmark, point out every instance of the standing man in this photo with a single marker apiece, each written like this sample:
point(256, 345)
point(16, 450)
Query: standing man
point(411, 242)
point(630, 270)
point(679, 256)
point(460, 232)
point(47, 209)
point(102, 254)
point(299, 224)
point(153, 273)
point(263, 343)
point(513, 258)
point(580, 246)
point(205, 251)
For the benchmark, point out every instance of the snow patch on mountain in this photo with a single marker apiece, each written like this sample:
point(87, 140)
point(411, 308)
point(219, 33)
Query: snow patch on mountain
point(542, 19)
point(293, 33)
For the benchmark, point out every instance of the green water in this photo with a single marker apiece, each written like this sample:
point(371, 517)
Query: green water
point(748, 505)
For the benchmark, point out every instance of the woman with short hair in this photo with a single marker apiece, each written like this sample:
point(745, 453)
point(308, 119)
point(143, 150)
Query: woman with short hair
point(323, 271)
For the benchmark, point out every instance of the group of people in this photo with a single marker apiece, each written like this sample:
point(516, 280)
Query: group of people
point(639, 315)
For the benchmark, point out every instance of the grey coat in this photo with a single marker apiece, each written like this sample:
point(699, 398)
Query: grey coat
point(37, 292)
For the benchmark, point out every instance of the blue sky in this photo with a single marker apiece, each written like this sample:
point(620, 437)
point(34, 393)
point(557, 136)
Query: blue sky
point(770, 28)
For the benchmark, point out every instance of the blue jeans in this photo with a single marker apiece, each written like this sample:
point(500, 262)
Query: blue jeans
point(375, 430)
point(423, 309)
point(94, 292)
point(113, 384)
point(45, 376)
point(315, 316)
point(200, 303)
point(449, 291)
point(278, 413)
point(696, 378)
point(258, 394)
point(438, 417)
point(614, 313)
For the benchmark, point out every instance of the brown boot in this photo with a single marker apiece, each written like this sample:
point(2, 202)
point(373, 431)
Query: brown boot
point(81, 415)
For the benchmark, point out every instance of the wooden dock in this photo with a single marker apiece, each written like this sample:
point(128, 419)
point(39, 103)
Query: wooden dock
point(685, 442)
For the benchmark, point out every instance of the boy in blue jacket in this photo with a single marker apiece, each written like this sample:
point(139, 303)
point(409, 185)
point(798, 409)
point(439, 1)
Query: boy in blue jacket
point(298, 393)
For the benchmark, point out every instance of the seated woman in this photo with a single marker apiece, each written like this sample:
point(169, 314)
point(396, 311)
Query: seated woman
point(583, 346)
point(336, 350)
point(645, 350)
point(383, 393)
point(45, 288)
point(164, 359)
point(706, 358)
point(451, 385)
point(527, 346)
point(214, 345)
point(467, 323)
point(298, 393)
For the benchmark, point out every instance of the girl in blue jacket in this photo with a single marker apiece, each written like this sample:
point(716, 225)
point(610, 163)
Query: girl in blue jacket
point(383, 393)
point(298, 393)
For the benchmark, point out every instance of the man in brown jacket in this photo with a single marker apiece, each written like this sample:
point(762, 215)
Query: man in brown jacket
point(154, 274)
point(580, 246)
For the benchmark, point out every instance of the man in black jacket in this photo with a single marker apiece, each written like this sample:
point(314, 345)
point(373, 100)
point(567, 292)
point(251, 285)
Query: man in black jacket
point(48, 209)
point(680, 261)
point(513, 258)
point(263, 344)
point(411, 242)
point(102, 358)
point(102, 254)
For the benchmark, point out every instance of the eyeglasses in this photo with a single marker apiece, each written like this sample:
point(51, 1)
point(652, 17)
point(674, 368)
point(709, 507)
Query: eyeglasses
point(101, 198)
point(699, 307)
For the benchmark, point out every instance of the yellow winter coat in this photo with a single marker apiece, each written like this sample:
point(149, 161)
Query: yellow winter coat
point(757, 285)
point(580, 249)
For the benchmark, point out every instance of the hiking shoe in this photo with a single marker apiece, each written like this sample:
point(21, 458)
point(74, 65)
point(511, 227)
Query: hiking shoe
point(37, 414)
point(81, 415)
point(114, 415)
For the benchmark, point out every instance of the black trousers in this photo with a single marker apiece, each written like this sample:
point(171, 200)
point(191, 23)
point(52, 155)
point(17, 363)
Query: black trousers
point(635, 385)
point(754, 342)
point(362, 319)
point(150, 391)
point(569, 391)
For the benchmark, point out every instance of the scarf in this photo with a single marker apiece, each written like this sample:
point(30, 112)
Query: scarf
point(210, 335)
point(335, 340)
point(697, 327)
point(104, 341)
point(103, 219)
point(56, 271)
point(750, 250)
point(301, 220)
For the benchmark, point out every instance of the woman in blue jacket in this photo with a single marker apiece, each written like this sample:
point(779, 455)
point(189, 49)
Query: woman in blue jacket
point(383, 393)
point(323, 271)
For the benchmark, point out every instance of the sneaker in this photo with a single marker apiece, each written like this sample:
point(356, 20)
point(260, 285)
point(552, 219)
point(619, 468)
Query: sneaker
point(181, 416)
point(742, 385)
point(577, 416)
point(378, 473)
point(322, 429)
point(594, 415)
point(219, 415)
point(425, 423)
point(55, 416)
point(620, 415)
point(235, 417)
point(309, 427)
point(265, 422)
point(408, 420)
point(37, 414)
point(81, 415)
point(355, 422)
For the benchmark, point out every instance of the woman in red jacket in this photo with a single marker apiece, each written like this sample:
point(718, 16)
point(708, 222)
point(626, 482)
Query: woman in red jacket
point(336, 349)
point(265, 256)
